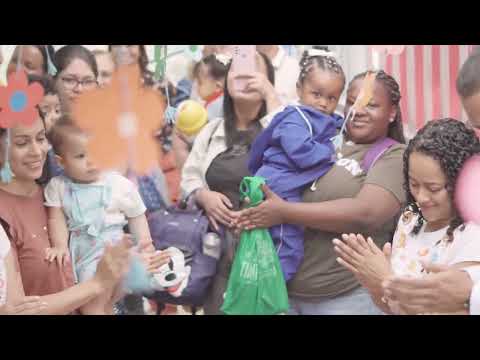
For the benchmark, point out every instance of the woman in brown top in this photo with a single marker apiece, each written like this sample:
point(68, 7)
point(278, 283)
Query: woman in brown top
point(23, 216)
point(345, 200)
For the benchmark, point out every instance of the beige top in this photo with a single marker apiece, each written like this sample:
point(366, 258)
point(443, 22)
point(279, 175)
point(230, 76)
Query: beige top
point(320, 276)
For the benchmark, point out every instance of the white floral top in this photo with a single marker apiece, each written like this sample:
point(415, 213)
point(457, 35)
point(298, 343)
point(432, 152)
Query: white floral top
point(408, 249)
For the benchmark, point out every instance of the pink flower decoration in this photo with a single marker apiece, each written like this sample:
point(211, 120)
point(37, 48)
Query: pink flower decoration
point(19, 100)
point(389, 49)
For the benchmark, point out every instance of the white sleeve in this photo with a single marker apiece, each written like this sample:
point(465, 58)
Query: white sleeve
point(4, 243)
point(54, 192)
point(474, 272)
point(4, 249)
point(131, 203)
point(466, 245)
point(475, 299)
point(192, 177)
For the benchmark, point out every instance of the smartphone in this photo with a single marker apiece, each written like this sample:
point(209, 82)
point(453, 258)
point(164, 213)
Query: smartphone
point(243, 64)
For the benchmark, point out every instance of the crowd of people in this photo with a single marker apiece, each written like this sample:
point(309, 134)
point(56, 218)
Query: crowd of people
point(353, 236)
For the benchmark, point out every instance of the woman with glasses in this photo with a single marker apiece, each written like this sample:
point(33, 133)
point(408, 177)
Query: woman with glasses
point(76, 72)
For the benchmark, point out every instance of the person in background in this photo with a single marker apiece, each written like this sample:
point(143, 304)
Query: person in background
point(34, 59)
point(106, 67)
point(209, 81)
point(50, 111)
point(133, 54)
point(77, 72)
point(286, 71)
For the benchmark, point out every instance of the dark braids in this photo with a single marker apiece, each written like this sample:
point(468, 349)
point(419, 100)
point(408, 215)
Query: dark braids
point(395, 129)
point(329, 63)
point(449, 142)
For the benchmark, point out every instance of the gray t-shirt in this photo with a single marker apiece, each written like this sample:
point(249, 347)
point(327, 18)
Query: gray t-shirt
point(320, 276)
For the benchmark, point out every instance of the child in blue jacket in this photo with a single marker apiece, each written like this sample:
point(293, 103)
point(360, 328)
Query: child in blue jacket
point(296, 149)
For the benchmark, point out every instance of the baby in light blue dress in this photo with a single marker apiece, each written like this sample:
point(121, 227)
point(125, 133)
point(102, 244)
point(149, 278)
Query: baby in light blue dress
point(89, 209)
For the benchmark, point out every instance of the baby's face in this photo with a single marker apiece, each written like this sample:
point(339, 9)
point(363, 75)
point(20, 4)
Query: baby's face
point(76, 160)
point(321, 90)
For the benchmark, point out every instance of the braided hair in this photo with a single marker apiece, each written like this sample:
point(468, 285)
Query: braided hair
point(395, 129)
point(327, 63)
point(450, 143)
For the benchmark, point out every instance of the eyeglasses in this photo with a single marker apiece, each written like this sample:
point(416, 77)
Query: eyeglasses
point(71, 83)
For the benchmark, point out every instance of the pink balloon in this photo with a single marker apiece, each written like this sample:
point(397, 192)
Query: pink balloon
point(467, 192)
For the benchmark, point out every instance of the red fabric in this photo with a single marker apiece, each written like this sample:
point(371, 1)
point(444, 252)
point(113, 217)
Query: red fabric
point(172, 175)
point(213, 97)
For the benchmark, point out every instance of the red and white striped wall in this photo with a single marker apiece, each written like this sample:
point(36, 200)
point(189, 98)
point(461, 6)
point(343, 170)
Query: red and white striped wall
point(427, 76)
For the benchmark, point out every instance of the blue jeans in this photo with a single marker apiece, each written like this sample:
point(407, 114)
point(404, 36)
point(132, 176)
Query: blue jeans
point(355, 302)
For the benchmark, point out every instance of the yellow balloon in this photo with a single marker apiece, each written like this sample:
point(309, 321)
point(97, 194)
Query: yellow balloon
point(191, 117)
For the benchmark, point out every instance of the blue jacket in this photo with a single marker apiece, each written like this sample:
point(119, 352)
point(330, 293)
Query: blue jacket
point(290, 155)
point(338, 120)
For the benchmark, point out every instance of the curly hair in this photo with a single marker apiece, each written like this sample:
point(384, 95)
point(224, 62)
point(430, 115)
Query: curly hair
point(449, 142)
point(395, 129)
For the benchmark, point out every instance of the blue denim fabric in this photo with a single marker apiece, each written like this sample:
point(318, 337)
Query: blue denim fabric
point(355, 302)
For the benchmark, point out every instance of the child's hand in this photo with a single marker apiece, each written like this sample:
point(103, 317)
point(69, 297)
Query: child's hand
point(146, 246)
point(157, 260)
point(152, 259)
point(61, 254)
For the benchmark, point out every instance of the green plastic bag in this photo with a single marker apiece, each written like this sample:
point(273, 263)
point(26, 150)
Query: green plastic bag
point(256, 285)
